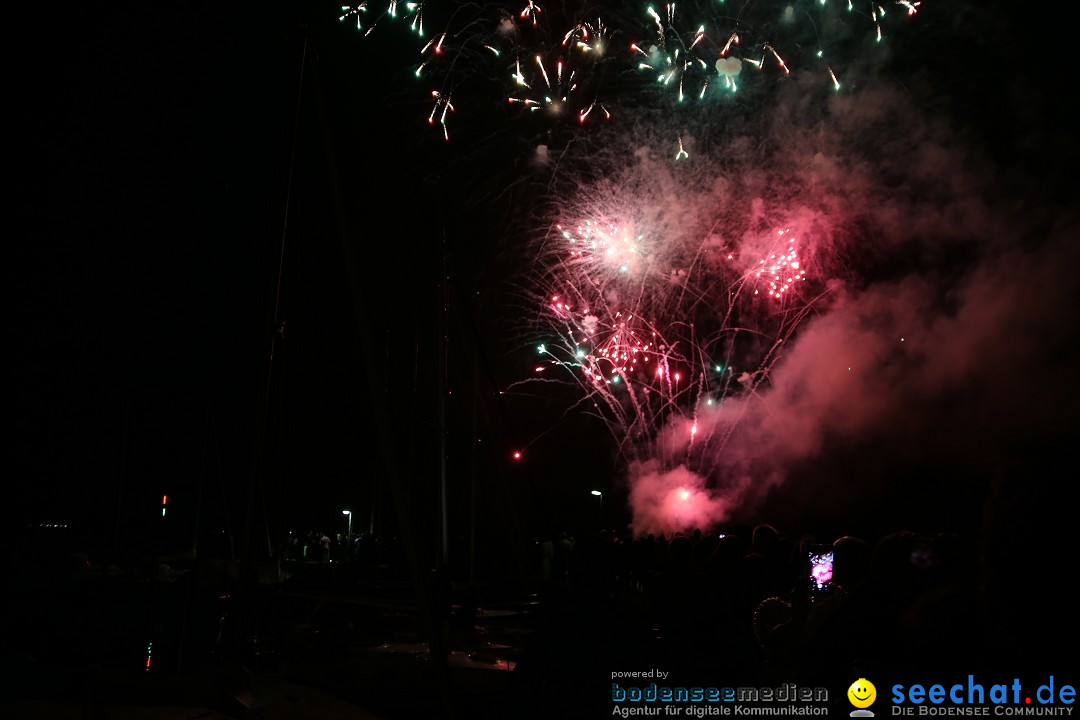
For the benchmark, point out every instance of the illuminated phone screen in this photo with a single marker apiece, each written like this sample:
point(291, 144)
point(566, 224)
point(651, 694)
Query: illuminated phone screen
point(821, 568)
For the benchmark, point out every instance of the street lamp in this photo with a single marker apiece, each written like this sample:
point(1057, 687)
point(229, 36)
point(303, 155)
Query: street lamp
point(600, 495)
point(349, 513)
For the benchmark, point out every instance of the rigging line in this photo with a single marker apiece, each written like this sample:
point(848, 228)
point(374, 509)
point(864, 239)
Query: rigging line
point(285, 220)
point(253, 484)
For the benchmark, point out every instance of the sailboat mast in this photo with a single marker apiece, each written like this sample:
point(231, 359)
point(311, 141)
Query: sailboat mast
point(442, 391)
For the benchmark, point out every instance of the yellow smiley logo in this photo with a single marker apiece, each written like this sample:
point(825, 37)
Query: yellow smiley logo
point(862, 693)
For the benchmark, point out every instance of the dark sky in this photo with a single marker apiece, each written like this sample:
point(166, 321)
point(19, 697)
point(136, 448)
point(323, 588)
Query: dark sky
point(161, 158)
point(152, 164)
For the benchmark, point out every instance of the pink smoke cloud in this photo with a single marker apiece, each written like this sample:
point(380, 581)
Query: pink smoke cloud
point(965, 364)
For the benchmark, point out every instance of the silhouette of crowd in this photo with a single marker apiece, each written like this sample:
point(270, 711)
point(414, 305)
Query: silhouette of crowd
point(739, 609)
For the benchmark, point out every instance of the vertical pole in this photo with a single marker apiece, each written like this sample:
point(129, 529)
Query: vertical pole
point(443, 370)
point(474, 461)
point(374, 503)
point(122, 480)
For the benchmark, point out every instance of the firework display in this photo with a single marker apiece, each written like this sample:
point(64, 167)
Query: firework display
point(580, 64)
point(670, 269)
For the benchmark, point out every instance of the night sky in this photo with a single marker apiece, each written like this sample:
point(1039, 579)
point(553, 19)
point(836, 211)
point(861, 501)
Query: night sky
point(163, 157)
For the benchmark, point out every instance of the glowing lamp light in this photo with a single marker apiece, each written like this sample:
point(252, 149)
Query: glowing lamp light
point(516, 455)
point(684, 495)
